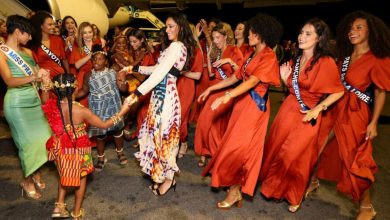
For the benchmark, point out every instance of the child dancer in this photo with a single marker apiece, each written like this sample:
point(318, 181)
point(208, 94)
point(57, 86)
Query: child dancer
point(69, 146)
point(104, 100)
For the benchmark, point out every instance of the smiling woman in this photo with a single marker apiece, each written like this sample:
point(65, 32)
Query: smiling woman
point(48, 49)
point(159, 135)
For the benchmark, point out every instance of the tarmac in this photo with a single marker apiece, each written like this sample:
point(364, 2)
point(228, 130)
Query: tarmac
point(121, 192)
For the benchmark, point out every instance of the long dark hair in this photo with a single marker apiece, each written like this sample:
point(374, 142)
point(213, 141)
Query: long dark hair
point(323, 47)
point(38, 19)
point(64, 32)
point(65, 92)
point(185, 36)
point(378, 37)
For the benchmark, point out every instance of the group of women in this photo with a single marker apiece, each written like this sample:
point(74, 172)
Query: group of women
point(323, 129)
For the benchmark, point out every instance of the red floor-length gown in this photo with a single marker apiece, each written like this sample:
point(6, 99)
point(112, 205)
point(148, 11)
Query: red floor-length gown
point(211, 124)
point(291, 148)
point(239, 155)
point(347, 159)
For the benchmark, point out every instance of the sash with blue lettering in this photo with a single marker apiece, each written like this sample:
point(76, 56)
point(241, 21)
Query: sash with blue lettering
point(51, 55)
point(366, 97)
point(69, 45)
point(87, 50)
point(220, 71)
point(19, 62)
point(295, 86)
point(261, 102)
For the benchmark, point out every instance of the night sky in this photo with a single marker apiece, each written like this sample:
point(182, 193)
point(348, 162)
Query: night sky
point(292, 17)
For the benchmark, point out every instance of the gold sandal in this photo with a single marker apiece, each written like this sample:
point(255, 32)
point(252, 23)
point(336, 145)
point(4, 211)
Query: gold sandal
point(63, 213)
point(78, 216)
point(313, 187)
point(226, 206)
point(373, 212)
point(40, 185)
point(34, 195)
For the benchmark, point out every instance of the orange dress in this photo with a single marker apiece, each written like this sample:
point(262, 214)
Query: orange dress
point(57, 46)
point(186, 90)
point(211, 124)
point(144, 100)
point(291, 148)
point(246, 49)
point(347, 159)
point(200, 85)
point(76, 55)
point(239, 155)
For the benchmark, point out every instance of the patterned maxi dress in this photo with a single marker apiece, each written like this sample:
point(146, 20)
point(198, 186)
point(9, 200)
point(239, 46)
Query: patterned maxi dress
point(159, 134)
point(104, 99)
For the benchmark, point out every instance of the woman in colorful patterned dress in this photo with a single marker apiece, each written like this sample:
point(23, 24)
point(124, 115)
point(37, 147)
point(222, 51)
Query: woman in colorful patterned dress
point(160, 132)
point(70, 146)
point(364, 51)
point(22, 106)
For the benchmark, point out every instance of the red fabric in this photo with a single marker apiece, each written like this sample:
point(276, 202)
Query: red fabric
point(238, 159)
point(212, 124)
point(291, 148)
point(200, 86)
point(143, 102)
point(57, 46)
point(348, 158)
point(76, 55)
point(186, 90)
point(246, 49)
point(54, 119)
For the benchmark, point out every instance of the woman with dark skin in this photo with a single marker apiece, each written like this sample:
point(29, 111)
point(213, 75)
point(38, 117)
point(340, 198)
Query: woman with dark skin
point(363, 44)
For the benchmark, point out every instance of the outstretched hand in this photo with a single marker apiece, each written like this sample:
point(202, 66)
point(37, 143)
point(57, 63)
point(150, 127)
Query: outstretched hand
point(219, 101)
point(221, 62)
point(285, 71)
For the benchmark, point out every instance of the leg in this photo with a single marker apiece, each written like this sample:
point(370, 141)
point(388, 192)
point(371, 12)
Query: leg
point(183, 149)
point(78, 212)
point(28, 189)
point(37, 179)
point(101, 161)
point(60, 210)
point(314, 181)
point(118, 139)
point(233, 197)
point(366, 209)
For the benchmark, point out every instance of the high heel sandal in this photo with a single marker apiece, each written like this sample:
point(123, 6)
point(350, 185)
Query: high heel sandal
point(34, 195)
point(121, 157)
point(40, 185)
point(314, 186)
point(183, 150)
point(373, 212)
point(226, 206)
point(100, 163)
point(295, 208)
point(63, 213)
point(202, 162)
point(158, 193)
point(78, 216)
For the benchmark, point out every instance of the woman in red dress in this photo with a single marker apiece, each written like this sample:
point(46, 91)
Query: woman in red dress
point(140, 53)
point(239, 35)
point(237, 161)
point(81, 55)
point(224, 60)
point(48, 49)
point(364, 51)
point(186, 90)
point(68, 34)
point(291, 148)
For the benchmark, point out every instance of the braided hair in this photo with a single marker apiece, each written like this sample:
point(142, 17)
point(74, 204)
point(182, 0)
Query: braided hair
point(65, 92)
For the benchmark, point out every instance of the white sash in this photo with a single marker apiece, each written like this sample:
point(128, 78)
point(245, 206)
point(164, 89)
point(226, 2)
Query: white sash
point(19, 62)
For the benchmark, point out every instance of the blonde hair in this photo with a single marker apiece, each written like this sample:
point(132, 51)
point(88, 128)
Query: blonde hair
point(80, 41)
point(193, 29)
point(226, 30)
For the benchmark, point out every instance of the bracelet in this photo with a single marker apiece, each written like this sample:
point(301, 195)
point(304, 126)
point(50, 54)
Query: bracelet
point(115, 119)
point(324, 107)
point(228, 94)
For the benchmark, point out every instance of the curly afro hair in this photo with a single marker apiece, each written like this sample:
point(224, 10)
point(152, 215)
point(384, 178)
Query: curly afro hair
point(267, 27)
